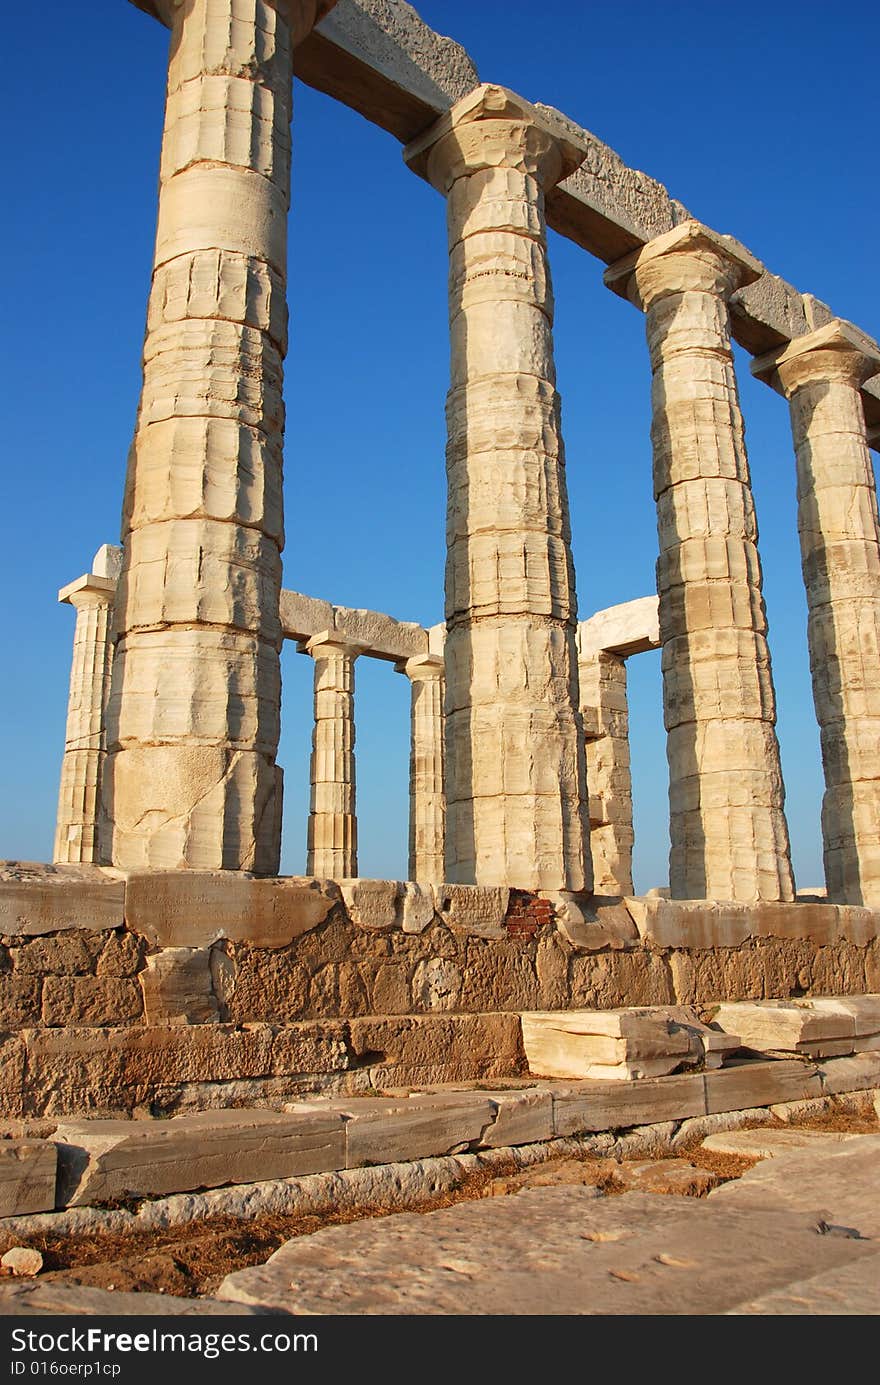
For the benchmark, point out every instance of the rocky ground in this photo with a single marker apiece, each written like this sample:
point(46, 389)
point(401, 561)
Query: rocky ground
point(568, 1203)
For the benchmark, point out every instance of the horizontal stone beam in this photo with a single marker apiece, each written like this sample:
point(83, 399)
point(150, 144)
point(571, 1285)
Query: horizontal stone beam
point(379, 58)
point(630, 628)
point(378, 636)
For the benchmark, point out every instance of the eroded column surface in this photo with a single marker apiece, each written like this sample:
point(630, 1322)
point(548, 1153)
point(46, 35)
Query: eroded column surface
point(427, 800)
point(822, 374)
point(606, 731)
point(78, 827)
point(194, 710)
point(332, 831)
point(515, 783)
point(727, 825)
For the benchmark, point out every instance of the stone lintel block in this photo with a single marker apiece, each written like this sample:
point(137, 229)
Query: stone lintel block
point(859, 1073)
point(629, 628)
point(837, 336)
point(385, 62)
point(104, 1160)
point(90, 583)
point(785, 1025)
point(745, 1085)
point(691, 238)
point(56, 899)
point(193, 909)
point(27, 1176)
point(706, 924)
point(766, 314)
point(593, 1105)
point(477, 909)
point(178, 987)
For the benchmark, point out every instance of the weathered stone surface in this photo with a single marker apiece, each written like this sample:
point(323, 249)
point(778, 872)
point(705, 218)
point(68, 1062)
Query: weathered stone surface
point(55, 1298)
point(196, 908)
point(727, 827)
point(414, 1049)
point(515, 776)
point(618, 1105)
point(630, 628)
point(379, 57)
point(846, 1291)
point(666, 1176)
point(56, 899)
point(103, 1160)
point(27, 1176)
point(770, 1144)
point(373, 904)
point(478, 909)
point(386, 1132)
point(427, 786)
point(759, 1084)
point(768, 1025)
point(92, 1000)
point(859, 1073)
point(177, 985)
point(332, 825)
point(555, 1251)
point(521, 1118)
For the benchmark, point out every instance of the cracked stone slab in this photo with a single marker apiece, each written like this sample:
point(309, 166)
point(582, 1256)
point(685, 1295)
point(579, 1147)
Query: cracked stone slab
point(51, 1299)
point(553, 1251)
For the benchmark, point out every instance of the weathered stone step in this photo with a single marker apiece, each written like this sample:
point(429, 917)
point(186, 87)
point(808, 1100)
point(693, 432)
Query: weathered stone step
point(769, 1144)
point(27, 1176)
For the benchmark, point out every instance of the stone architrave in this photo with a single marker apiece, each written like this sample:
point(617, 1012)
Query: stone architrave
point(78, 827)
point(332, 831)
point(427, 801)
point(193, 715)
point(821, 374)
point(727, 823)
point(515, 778)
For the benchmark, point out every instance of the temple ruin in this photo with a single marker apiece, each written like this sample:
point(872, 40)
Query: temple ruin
point(162, 964)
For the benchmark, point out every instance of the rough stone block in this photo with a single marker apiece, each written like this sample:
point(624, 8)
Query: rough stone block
point(90, 1000)
point(521, 1118)
point(777, 1025)
point(374, 904)
point(479, 909)
point(178, 987)
point(20, 1003)
point(104, 1160)
point(196, 908)
point(27, 1176)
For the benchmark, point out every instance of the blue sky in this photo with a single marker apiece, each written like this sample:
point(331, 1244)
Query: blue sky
point(761, 119)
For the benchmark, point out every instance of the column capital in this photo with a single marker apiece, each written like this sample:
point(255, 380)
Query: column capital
point(302, 15)
point(329, 642)
point(421, 667)
point(491, 128)
point(689, 257)
point(838, 351)
point(89, 590)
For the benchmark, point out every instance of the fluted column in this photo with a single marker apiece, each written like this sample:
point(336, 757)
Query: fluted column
point(606, 729)
point(332, 831)
point(427, 800)
point(79, 826)
point(193, 718)
point(821, 374)
point(727, 824)
point(515, 790)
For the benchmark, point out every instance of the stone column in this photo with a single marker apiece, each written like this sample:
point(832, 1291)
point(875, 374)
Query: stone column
point(515, 791)
point(727, 824)
point(332, 833)
point(78, 827)
point(193, 717)
point(427, 801)
point(821, 374)
point(606, 731)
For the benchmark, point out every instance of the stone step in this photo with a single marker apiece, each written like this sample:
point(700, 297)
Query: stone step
point(820, 1027)
point(769, 1144)
point(27, 1176)
point(624, 1044)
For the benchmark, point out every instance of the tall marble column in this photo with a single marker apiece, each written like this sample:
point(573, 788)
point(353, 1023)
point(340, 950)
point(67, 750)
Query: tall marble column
point(193, 716)
point(427, 799)
point(821, 374)
point(515, 790)
point(332, 832)
point(606, 730)
point(79, 827)
point(727, 823)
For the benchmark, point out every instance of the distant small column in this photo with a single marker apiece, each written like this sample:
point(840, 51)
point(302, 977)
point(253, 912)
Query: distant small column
point(332, 832)
point(821, 374)
point(78, 827)
point(727, 822)
point(606, 732)
point(427, 801)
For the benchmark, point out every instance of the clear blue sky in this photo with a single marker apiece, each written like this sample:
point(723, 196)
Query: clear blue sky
point(760, 118)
